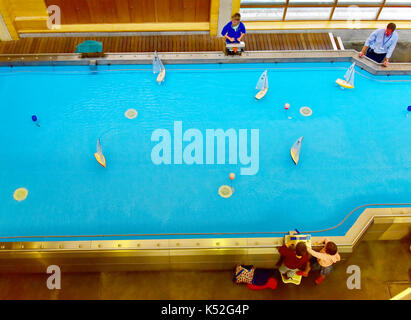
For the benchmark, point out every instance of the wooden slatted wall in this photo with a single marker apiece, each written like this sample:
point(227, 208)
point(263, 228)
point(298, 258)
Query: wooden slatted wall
point(169, 43)
point(132, 11)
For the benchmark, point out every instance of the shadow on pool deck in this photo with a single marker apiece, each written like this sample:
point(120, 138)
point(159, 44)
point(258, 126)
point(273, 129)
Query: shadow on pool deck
point(385, 267)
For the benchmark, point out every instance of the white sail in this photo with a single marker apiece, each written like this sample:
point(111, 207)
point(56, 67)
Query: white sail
point(295, 150)
point(263, 81)
point(349, 75)
point(157, 64)
point(99, 151)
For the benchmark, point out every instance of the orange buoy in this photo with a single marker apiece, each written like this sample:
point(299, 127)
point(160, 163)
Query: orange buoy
point(232, 176)
point(287, 106)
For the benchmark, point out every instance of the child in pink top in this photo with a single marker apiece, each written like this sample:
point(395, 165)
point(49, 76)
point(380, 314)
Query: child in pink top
point(324, 259)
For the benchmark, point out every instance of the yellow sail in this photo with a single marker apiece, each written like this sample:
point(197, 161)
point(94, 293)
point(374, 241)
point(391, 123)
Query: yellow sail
point(100, 159)
point(99, 155)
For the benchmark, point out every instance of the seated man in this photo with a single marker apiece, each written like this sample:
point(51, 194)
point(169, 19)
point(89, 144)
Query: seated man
point(234, 31)
point(380, 44)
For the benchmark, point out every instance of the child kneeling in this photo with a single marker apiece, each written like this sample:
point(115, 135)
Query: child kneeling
point(293, 260)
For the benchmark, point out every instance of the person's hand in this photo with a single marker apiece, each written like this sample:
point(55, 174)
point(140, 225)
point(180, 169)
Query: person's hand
point(385, 63)
point(322, 241)
point(361, 54)
point(231, 39)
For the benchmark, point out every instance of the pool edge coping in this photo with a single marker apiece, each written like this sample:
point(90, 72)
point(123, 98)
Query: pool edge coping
point(208, 57)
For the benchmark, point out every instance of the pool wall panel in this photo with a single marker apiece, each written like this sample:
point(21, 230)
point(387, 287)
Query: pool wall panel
point(210, 57)
point(13, 258)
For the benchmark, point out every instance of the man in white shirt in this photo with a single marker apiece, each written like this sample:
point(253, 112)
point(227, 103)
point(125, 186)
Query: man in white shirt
point(380, 44)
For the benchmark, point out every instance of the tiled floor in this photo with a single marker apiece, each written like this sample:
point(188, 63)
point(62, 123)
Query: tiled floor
point(385, 267)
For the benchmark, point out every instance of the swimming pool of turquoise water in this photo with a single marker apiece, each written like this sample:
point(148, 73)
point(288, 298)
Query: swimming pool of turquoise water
point(355, 150)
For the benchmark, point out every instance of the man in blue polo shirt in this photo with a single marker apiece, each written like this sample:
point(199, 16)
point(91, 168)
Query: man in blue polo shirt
point(380, 44)
point(234, 31)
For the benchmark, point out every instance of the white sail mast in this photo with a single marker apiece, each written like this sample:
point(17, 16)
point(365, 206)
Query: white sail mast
point(349, 75)
point(262, 81)
point(158, 67)
point(99, 151)
point(157, 64)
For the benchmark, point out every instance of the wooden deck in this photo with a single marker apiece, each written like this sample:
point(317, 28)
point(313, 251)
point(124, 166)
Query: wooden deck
point(169, 43)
